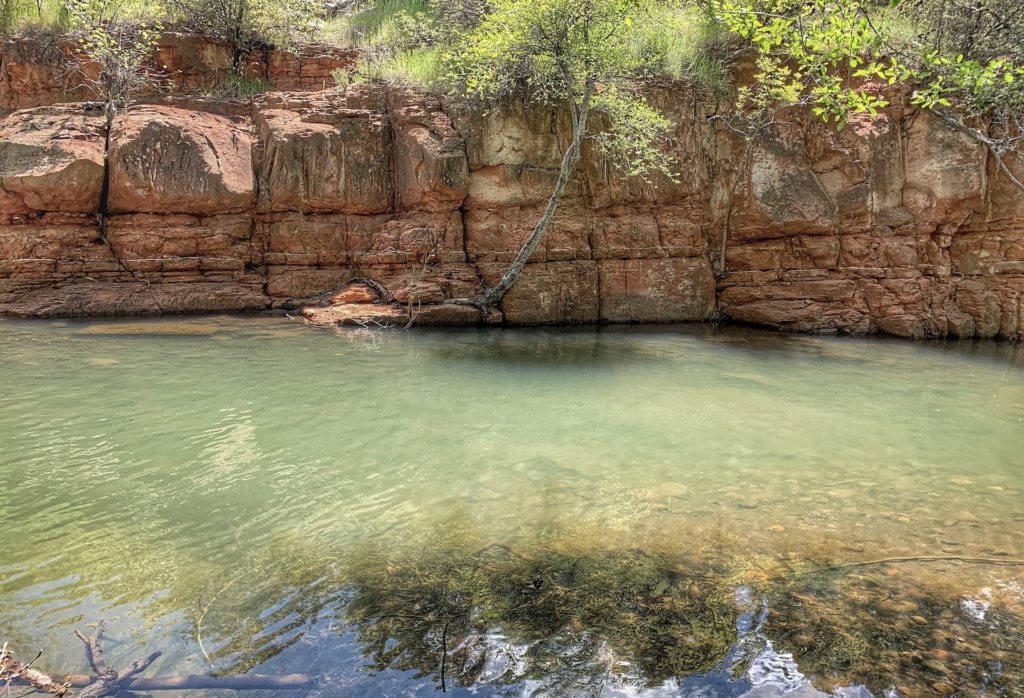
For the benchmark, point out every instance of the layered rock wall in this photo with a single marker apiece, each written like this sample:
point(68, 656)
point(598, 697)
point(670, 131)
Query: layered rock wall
point(896, 224)
point(39, 70)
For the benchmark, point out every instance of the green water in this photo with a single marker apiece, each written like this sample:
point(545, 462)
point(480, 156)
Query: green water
point(241, 493)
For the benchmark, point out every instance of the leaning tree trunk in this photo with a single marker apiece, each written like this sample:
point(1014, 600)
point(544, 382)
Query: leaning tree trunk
point(493, 295)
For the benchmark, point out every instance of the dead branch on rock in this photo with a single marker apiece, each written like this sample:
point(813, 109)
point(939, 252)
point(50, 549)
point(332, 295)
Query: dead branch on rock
point(193, 682)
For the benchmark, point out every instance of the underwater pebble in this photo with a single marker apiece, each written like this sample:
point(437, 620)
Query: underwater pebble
point(673, 489)
point(961, 517)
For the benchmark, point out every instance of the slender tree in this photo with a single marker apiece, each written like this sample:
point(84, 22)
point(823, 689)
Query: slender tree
point(113, 57)
point(580, 55)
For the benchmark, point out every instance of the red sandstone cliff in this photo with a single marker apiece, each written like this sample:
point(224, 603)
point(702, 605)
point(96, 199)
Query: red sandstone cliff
point(895, 225)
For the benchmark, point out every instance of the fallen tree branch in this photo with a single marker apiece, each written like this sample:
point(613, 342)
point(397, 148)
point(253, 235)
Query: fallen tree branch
point(13, 670)
point(243, 682)
point(93, 650)
point(107, 682)
point(909, 558)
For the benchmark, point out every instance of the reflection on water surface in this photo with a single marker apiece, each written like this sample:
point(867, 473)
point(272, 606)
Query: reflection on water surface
point(594, 512)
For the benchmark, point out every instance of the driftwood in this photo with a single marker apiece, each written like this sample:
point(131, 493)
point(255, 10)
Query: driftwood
point(109, 682)
point(106, 681)
point(13, 670)
point(243, 682)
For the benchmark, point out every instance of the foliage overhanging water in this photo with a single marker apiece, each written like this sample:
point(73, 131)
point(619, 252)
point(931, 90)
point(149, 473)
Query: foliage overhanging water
point(600, 511)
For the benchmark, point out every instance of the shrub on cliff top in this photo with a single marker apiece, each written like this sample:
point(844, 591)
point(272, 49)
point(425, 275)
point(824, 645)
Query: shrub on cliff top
point(113, 57)
point(245, 25)
point(34, 16)
point(403, 40)
point(963, 60)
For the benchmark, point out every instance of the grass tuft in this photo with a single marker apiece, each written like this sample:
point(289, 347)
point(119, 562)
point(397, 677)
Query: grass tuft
point(376, 25)
point(690, 46)
point(237, 86)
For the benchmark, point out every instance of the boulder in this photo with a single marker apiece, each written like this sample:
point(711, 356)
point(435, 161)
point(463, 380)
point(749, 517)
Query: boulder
point(549, 293)
point(169, 160)
point(51, 159)
point(34, 72)
point(431, 170)
point(328, 156)
point(784, 194)
point(945, 171)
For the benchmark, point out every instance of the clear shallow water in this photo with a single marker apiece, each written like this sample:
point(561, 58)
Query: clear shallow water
point(599, 511)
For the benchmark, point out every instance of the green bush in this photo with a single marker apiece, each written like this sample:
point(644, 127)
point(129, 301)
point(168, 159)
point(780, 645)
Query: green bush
point(376, 24)
point(238, 86)
point(245, 25)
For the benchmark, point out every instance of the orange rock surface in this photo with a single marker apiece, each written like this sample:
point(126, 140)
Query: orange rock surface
point(895, 225)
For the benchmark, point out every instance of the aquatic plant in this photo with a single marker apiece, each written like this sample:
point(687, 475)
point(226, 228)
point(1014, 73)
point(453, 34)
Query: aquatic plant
point(430, 610)
point(883, 628)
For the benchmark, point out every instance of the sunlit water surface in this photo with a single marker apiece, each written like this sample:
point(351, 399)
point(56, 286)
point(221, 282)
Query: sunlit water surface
point(594, 512)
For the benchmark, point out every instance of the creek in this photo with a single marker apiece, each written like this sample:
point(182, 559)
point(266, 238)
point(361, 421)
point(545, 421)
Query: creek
point(602, 511)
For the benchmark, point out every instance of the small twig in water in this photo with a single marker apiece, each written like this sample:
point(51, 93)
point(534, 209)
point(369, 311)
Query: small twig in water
point(202, 615)
point(444, 655)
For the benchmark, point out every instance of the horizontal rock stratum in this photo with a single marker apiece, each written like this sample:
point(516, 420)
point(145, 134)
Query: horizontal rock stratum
point(896, 224)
